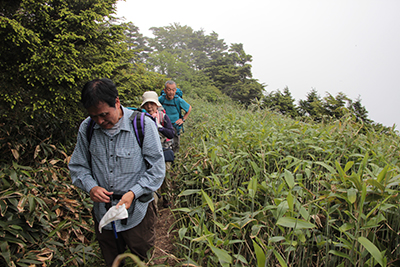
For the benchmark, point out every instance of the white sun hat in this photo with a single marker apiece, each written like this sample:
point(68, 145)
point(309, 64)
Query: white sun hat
point(150, 96)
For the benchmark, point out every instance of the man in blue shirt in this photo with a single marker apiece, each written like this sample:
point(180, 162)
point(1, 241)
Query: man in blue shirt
point(173, 104)
point(113, 168)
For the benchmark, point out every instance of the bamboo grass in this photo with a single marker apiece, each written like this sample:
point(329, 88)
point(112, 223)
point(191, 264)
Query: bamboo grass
point(302, 193)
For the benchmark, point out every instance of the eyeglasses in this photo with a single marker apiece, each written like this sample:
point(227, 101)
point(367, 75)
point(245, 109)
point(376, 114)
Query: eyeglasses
point(170, 89)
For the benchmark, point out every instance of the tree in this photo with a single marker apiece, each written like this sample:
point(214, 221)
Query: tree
point(312, 106)
point(231, 73)
point(137, 43)
point(50, 48)
point(336, 107)
point(359, 111)
point(281, 102)
point(133, 82)
point(332, 107)
point(191, 47)
point(169, 64)
point(180, 53)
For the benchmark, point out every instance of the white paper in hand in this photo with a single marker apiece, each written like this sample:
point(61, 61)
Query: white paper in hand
point(113, 214)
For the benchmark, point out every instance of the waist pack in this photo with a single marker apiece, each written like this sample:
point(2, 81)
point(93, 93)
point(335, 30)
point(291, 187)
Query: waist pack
point(169, 155)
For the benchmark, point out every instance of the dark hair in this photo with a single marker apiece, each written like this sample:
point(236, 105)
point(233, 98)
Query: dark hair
point(169, 82)
point(99, 90)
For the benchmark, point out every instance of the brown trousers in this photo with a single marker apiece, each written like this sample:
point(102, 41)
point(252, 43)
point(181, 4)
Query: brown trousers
point(138, 239)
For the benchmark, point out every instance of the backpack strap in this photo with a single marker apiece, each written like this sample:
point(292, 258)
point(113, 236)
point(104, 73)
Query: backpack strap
point(178, 107)
point(90, 130)
point(138, 126)
point(162, 100)
point(161, 116)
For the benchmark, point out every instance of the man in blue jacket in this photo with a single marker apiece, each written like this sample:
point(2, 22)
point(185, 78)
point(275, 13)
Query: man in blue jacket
point(173, 104)
point(115, 169)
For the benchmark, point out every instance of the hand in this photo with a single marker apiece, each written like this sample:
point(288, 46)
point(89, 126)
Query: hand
point(126, 199)
point(179, 122)
point(99, 194)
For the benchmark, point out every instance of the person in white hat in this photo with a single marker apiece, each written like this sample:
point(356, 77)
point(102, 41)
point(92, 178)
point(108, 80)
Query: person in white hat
point(166, 130)
point(154, 108)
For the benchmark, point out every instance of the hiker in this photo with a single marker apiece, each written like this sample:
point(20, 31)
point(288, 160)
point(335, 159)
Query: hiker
point(173, 104)
point(154, 108)
point(116, 168)
point(166, 130)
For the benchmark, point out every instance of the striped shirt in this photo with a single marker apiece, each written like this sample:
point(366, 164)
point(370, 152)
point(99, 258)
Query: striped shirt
point(117, 163)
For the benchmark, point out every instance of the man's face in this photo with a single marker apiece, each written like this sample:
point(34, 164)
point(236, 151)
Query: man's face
point(170, 90)
point(104, 115)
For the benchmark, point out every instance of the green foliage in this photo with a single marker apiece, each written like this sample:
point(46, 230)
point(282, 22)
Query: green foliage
point(335, 107)
point(312, 106)
point(44, 219)
point(188, 56)
point(200, 87)
point(193, 48)
point(255, 187)
point(359, 111)
point(49, 49)
point(137, 43)
point(281, 102)
point(318, 109)
point(170, 65)
point(230, 72)
point(132, 83)
point(261, 187)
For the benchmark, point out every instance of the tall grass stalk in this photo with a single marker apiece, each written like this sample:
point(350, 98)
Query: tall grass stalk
point(304, 193)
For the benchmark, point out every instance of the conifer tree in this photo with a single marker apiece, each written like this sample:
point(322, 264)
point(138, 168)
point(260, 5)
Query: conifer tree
point(49, 49)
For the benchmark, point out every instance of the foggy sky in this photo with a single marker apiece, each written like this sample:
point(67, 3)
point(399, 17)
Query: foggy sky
point(330, 46)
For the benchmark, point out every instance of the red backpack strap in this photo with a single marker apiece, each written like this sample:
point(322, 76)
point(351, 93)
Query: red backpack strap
point(161, 115)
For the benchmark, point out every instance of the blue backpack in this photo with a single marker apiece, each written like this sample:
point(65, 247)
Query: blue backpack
point(178, 92)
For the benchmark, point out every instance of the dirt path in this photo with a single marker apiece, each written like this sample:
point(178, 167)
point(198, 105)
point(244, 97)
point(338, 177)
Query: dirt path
point(164, 249)
point(164, 252)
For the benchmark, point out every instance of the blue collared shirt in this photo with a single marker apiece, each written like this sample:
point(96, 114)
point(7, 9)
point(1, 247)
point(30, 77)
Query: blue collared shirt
point(117, 163)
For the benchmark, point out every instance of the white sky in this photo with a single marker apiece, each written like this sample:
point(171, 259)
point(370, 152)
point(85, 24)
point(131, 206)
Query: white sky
point(349, 46)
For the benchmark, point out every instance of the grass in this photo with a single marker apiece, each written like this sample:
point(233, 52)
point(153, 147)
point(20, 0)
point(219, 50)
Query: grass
point(255, 189)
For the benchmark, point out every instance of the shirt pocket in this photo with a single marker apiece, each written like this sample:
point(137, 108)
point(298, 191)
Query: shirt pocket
point(125, 160)
point(97, 159)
